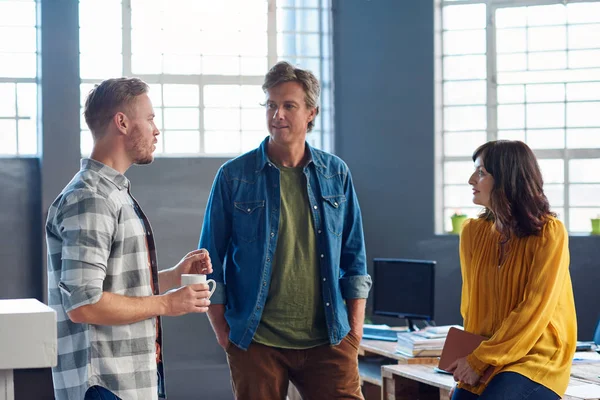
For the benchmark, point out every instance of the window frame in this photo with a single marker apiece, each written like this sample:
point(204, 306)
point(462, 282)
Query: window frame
point(565, 154)
point(325, 139)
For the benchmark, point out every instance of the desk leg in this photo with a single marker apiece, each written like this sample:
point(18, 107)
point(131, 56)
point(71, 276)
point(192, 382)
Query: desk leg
point(7, 387)
point(400, 388)
point(371, 391)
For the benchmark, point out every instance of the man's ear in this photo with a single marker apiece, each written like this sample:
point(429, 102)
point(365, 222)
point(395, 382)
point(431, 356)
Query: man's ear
point(121, 122)
point(313, 114)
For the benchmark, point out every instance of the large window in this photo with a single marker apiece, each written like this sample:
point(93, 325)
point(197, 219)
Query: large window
point(18, 71)
point(205, 61)
point(522, 70)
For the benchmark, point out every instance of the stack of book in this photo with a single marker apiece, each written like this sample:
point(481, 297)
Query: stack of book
point(427, 342)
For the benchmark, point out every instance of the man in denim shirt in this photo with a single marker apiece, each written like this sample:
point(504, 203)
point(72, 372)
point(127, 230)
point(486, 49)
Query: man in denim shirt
point(284, 229)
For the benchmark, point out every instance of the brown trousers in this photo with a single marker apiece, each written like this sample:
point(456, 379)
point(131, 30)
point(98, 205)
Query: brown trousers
point(320, 373)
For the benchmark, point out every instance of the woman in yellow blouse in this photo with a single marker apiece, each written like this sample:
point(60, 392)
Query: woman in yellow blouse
point(516, 283)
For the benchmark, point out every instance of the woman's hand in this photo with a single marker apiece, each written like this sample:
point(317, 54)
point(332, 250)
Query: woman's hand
point(462, 372)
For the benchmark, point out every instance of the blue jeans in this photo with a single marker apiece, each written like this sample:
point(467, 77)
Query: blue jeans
point(509, 386)
point(99, 393)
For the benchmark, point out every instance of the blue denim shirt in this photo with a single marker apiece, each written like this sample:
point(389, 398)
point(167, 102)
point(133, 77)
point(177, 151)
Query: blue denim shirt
point(240, 231)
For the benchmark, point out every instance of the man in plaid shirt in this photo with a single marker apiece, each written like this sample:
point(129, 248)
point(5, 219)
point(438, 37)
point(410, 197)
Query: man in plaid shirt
point(103, 279)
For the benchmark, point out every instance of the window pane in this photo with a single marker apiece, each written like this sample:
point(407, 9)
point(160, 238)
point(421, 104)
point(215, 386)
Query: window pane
point(464, 16)
point(511, 17)
point(27, 100)
point(220, 65)
point(464, 67)
point(181, 95)
point(584, 36)
point(297, 20)
point(584, 170)
point(584, 195)
point(458, 171)
point(222, 119)
point(92, 40)
point(253, 96)
point(583, 91)
point(87, 142)
point(553, 171)
point(583, 138)
point(16, 65)
point(458, 196)
point(545, 115)
point(155, 95)
point(511, 62)
point(252, 139)
point(545, 93)
point(547, 38)
point(468, 92)
point(17, 13)
point(546, 15)
point(584, 59)
point(100, 66)
point(253, 65)
point(512, 135)
point(583, 12)
point(510, 117)
point(465, 118)
point(253, 119)
point(555, 194)
point(18, 40)
point(546, 138)
point(181, 64)
point(27, 137)
point(7, 100)
point(8, 136)
point(181, 118)
point(548, 60)
point(222, 142)
point(463, 143)
point(511, 94)
point(579, 218)
point(222, 95)
point(583, 114)
point(511, 40)
point(464, 42)
point(182, 142)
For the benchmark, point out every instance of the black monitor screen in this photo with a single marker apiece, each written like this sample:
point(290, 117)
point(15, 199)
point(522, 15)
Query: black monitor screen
point(404, 288)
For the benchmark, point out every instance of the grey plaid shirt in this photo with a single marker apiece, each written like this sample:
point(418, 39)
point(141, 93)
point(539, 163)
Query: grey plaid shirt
point(99, 240)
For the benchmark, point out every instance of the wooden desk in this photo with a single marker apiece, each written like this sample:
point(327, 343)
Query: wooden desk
point(404, 382)
point(372, 355)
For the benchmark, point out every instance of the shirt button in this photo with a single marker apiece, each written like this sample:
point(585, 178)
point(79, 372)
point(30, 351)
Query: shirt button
point(272, 234)
point(248, 210)
point(335, 204)
point(319, 231)
point(315, 207)
point(268, 259)
point(324, 279)
point(327, 304)
point(258, 307)
point(322, 255)
point(264, 283)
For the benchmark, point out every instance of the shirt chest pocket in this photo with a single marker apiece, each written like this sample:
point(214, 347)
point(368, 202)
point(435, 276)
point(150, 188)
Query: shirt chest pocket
point(334, 210)
point(247, 217)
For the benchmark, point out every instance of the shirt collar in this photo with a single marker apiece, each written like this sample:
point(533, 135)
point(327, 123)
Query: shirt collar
point(114, 176)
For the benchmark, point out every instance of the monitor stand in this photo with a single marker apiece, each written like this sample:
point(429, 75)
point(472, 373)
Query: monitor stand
point(412, 327)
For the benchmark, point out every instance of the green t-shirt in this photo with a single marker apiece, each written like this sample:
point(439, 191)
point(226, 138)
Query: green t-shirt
point(293, 316)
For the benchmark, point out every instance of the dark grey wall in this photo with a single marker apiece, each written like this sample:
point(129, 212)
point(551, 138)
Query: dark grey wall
point(384, 99)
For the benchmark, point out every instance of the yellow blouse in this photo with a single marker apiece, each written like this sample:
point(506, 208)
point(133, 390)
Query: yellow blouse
point(524, 306)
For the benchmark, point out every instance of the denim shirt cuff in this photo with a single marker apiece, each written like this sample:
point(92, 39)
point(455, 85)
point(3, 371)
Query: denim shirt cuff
point(219, 296)
point(355, 287)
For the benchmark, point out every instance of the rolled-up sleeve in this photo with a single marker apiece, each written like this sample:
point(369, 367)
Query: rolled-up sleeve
point(87, 225)
point(355, 283)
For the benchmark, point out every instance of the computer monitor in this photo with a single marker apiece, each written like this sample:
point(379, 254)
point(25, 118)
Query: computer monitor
point(404, 288)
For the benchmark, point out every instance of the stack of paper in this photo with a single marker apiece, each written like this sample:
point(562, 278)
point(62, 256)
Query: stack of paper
point(427, 342)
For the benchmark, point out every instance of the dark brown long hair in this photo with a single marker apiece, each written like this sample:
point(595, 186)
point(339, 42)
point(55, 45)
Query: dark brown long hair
point(518, 205)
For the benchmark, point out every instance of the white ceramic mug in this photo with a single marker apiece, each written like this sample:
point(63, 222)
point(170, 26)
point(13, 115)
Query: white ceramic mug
point(193, 279)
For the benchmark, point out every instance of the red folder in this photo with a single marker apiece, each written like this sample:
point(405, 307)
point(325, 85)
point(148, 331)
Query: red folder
point(460, 344)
